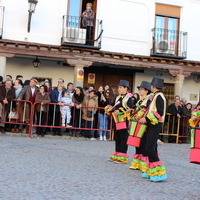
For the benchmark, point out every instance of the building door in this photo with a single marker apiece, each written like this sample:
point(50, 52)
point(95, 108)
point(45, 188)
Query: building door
point(76, 7)
point(111, 76)
point(94, 8)
point(74, 20)
point(169, 93)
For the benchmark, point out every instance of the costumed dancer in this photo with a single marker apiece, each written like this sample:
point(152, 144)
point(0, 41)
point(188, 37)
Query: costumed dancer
point(194, 122)
point(120, 109)
point(154, 119)
point(195, 118)
point(140, 158)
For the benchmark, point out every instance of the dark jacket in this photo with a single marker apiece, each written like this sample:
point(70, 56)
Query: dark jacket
point(174, 111)
point(88, 18)
point(187, 112)
point(42, 98)
point(102, 103)
point(9, 94)
point(54, 98)
point(76, 101)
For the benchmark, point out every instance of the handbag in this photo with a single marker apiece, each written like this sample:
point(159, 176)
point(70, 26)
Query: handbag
point(89, 113)
point(13, 115)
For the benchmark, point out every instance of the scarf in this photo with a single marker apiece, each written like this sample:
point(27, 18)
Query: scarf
point(79, 98)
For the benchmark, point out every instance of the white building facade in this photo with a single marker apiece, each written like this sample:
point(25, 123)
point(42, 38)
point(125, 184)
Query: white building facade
point(136, 39)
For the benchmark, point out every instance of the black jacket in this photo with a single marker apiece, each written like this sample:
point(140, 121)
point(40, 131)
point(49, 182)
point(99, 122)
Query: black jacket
point(174, 111)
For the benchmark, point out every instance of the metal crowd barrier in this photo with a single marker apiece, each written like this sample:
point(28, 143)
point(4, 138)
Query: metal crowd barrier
point(53, 108)
point(177, 127)
point(173, 126)
point(18, 113)
point(22, 108)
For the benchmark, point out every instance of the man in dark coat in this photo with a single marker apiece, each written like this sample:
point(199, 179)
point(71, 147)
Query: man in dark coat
point(176, 110)
point(7, 93)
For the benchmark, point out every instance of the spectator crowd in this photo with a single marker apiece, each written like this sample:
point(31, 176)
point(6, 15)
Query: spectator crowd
point(59, 106)
point(77, 109)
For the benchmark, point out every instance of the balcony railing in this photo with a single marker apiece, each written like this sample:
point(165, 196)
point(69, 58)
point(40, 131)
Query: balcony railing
point(169, 43)
point(75, 33)
point(1, 20)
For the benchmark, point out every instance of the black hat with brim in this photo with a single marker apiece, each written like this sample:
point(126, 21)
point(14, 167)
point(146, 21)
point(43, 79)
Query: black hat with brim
point(158, 82)
point(123, 83)
point(146, 85)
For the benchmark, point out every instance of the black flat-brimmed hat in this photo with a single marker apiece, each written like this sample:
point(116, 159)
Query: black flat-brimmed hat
point(158, 82)
point(146, 85)
point(123, 83)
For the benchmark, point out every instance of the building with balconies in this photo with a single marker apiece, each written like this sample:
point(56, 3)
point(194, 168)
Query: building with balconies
point(133, 40)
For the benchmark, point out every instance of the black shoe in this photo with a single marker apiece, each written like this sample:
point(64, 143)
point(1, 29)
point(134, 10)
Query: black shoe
point(77, 134)
point(2, 130)
point(53, 134)
point(48, 129)
point(60, 134)
point(66, 130)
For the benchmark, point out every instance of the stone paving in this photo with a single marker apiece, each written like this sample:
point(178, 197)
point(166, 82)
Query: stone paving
point(60, 168)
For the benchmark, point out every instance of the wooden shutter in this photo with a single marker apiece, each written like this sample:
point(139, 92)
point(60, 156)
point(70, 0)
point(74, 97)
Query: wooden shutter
point(173, 11)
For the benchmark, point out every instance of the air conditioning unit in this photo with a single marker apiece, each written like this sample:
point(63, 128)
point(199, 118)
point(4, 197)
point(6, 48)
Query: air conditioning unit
point(74, 35)
point(165, 47)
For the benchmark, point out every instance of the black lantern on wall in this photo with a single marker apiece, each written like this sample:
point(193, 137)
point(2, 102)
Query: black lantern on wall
point(36, 62)
point(32, 6)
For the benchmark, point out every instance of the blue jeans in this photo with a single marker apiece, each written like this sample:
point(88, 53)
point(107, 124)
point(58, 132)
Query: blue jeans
point(103, 123)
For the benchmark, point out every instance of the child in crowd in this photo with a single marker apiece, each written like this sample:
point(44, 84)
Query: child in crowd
point(66, 110)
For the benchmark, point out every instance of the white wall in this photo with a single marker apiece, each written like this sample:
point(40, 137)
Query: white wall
point(191, 87)
point(190, 21)
point(46, 23)
point(47, 69)
point(130, 22)
point(127, 24)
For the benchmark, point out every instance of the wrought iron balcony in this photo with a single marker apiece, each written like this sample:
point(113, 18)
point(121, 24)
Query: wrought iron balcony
point(169, 43)
point(1, 20)
point(75, 33)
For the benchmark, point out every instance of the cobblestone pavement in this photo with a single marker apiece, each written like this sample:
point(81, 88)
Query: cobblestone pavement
point(77, 169)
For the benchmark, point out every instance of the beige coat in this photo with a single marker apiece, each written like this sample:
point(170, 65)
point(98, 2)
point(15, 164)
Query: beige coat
point(91, 102)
